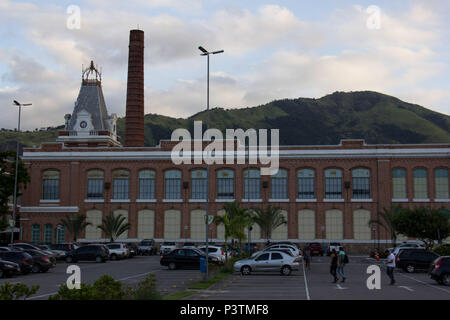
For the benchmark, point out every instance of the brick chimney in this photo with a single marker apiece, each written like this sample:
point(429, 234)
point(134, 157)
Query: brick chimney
point(134, 120)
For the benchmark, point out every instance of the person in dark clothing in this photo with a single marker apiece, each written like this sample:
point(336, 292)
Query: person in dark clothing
point(307, 257)
point(333, 265)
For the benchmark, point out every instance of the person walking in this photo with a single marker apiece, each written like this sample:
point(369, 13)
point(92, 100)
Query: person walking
point(390, 265)
point(341, 263)
point(307, 257)
point(333, 265)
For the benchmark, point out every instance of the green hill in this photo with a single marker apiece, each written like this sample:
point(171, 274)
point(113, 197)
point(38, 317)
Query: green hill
point(368, 115)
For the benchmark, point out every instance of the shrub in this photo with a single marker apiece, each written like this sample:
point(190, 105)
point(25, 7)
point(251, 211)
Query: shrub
point(17, 291)
point(442, 250)
point(146, 290)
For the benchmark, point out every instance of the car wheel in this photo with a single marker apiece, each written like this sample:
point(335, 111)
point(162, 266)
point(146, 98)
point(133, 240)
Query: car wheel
point(446, 279)
point(410, 268)
point(98, 259)
point(69, 259)
point(246, 270)
point(172, 266)
point(36, 268)
point(113, 257)
point(285, 270)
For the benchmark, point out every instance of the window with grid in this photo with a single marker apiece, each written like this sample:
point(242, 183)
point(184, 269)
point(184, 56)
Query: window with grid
point(225, 184)
point(50, 185)
point(361, 228)
point(121, 185)
point(172, 184)
point(399, 184)
point(146, 224)
point(251, 184)
point(306, 224)
point(441, 183)
point(199, 184)
point(334, 225)
point(35, 233)
point(420, 184)
point(95, 184)
point(198, 224)
point(60, 233)
point(172, 224)
point(361, 183)
point(333, 184)
point(48, 233)
point(278, 185)
point(305, 184)
point(281, 232)
point(147, 184)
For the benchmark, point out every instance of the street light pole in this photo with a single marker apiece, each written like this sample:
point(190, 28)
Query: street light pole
point(17, 168)
point(206, 53)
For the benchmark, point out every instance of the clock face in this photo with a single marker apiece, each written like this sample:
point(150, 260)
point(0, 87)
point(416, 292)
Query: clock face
point(83, 124)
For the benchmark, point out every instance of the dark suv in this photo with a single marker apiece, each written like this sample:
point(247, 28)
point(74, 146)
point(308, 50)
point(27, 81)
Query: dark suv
point(64, 246)
point(440, 270)
point(411, 260)
point(147, 247)
point(23, 259)
point(91, 252)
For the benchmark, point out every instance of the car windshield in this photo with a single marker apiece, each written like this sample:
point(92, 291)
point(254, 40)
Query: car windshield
point(146, 243)
point(168, 243)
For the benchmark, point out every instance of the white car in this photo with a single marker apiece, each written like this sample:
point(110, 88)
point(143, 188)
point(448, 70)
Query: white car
point(117, 251)
point(406, 246)
point(268, 261)
point(295, 251)
point(214, 251)
point(167, 247)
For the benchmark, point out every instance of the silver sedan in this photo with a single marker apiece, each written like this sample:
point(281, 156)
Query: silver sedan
point(268, 261)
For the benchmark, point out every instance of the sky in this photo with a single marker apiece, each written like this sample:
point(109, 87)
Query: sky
point(272, 50)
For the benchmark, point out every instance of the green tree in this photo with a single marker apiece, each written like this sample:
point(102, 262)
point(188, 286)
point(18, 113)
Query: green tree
point(114, 225)
point(424, 224)
point(225, 220)
point(75, 224)
point(239, 220)
point(385, 220)
point(268, 219)
point(17, 291)
point(7, 176)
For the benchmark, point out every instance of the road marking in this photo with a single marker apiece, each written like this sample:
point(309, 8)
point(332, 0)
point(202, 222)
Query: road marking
point(42, 295)
point(306, 282)
point(407, 288)
point(339, 287)
point(427, 284)
point(137, 275)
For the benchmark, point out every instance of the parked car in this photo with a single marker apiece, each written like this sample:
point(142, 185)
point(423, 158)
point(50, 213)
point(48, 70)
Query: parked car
point(41, 261)
point(333, 245)
point(214, 251)
point(295, 250)
point(66, 247)
point(23, 259)
point(411, 260)
point(185, 258)
point(188, 245)
point(406, 246)
point(60, 254)
point(117, 251)
point(90, 252)
point(268, 261)
point(166, 247)
point(398, 249)
point(440, 270)
point(147, 247)
point(8, 269)
point(315, 248)
point(52, 255)
point(132, 250)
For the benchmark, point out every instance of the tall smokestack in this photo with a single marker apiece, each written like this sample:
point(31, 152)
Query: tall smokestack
point(134, 120)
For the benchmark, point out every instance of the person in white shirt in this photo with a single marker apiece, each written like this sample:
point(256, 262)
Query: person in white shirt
point(390, 264)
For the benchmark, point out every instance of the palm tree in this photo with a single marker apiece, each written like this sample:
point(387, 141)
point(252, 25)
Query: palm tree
point(75, 224)
point(385, 220)
point(239, 219)
point(268, 219)
point(114, 225)
point(225, 220)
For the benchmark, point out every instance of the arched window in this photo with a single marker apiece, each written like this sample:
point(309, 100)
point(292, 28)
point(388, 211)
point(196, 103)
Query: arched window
point(172, 224)
point(334, 224)
point(225, 184)
point(198, 224)
point(306, 184)
point(420, 184)
point(199, 184)
point(172, 184)
point(361, 183)
point(306, 224)
point(95, 184)
point(361, 228)
point(60, 233)
point(48, 233)
point(121, 184)
point(441, 183)
point(146, 224)
point(278, 185)
point(147, 184)
point(281, 232)
point(333, 184)
point(95, 218)
point(50, 185)
point(251, 184)
point(36, 233)
point(399, 184)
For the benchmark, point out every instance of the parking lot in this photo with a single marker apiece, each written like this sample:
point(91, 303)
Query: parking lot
point(265, 286)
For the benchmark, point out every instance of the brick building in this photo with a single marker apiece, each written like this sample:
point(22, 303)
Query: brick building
point(327, 193)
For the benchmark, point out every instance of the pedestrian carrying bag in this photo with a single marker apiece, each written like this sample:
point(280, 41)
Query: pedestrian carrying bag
point(346, 258)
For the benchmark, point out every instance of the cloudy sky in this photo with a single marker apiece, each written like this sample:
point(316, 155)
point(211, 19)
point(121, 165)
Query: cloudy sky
point(273, 49)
